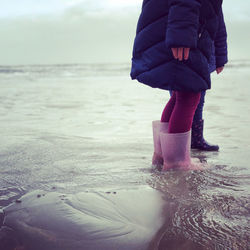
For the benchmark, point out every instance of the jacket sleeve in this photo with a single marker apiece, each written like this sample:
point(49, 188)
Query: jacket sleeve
point(183, 23)
point(221, 43)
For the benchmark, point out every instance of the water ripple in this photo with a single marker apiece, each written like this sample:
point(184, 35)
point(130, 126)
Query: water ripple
point(211, 210)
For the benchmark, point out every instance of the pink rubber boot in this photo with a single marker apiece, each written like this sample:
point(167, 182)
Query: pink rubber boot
point(176, 151)
point(158, 127)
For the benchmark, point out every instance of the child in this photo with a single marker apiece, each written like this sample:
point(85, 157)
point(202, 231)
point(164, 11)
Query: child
point(177, 43)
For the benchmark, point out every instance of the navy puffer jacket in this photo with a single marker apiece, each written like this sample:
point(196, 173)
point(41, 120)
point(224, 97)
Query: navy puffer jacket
point(166, 24)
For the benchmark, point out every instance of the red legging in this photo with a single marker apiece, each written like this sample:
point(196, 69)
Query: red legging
point(179, 111)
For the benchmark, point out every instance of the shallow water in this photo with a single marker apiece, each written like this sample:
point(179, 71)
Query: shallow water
point(81, 127)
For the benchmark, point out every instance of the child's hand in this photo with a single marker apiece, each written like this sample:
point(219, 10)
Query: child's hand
point(178, 53)
point(219, 70)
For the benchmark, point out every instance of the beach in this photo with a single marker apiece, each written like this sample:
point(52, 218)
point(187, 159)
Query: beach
point(77, 128)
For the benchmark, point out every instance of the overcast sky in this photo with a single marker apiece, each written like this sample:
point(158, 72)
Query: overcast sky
point(88, 31)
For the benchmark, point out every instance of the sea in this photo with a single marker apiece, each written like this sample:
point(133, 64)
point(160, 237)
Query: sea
point(78, 127)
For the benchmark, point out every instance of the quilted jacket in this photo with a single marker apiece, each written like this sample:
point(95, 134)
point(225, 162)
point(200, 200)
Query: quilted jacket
point(165, 24)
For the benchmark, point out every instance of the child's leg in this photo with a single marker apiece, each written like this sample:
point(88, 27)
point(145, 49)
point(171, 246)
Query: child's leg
point(166, 114)
point(161, 126)
point(182, 116)
point(198, 141)
point(199, 110)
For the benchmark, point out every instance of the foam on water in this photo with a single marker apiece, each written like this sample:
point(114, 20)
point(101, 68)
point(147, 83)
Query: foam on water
point(63, 70)
point(80, 70)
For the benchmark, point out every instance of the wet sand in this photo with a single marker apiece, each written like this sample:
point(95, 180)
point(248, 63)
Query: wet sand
point(121, 219)
point(71, 134)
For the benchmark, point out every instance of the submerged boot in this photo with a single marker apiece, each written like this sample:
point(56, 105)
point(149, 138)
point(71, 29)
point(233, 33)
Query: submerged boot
point(176, 151)
point(198, 142)
point(158, 127)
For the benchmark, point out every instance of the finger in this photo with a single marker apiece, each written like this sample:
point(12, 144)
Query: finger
point(180, 54)
point(219, 70)
point(186, 53)
point(175, 54)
